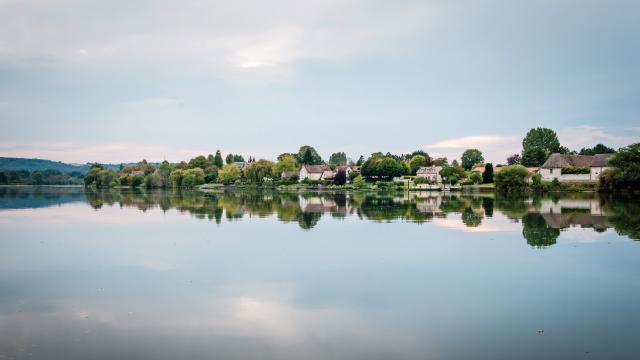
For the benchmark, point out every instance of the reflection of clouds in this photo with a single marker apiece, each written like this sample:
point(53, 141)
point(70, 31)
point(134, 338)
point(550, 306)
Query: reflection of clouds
point(77, 213)
point(497, 223)
point(244, 324)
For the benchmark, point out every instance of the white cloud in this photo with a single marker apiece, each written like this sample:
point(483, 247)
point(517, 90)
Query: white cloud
point(581, 136)
point(241, 34)
point(495, 148)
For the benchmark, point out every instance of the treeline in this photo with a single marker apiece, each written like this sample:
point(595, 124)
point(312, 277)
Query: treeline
point(45, 177)
point(538, 145)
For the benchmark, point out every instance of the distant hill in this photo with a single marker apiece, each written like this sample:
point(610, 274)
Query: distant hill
point(7, 163)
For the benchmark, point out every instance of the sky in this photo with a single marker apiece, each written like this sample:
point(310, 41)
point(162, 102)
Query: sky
point(119, 81)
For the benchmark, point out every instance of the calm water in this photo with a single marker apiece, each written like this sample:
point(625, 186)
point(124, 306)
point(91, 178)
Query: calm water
point(165, 275)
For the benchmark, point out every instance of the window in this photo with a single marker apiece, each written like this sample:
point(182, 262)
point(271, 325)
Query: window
point(551, 171)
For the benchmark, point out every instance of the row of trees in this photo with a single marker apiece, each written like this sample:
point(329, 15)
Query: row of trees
point(45, 177)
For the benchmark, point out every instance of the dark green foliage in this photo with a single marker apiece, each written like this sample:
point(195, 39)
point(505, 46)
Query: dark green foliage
point(537, 145)
point(217, 160)
point(383, 167)
point(340, 178)
point(487, 175)
point(471, 157)
point(308, 155)
point(511, 178)
point(598, 149)
point(575, 170)
point(339, 158)
point(537, 232)
point(625, 171)
point(452, 174)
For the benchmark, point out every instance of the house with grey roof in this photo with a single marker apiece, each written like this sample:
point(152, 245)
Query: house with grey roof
point(574, 167)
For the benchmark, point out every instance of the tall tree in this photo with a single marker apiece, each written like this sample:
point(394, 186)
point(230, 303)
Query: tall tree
point(229, 158)
point(471, 157)
point(537, 145)
point(308, 155)
point(338, 158)
point(487, 175)
point(217, 160)
point(360, 161)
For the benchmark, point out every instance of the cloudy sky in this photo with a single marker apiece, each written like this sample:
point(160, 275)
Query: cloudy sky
point(119, 81)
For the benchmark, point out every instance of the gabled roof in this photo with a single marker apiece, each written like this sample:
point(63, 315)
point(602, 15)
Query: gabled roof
point(429, 170)
point(560, 160)
point(317, 169)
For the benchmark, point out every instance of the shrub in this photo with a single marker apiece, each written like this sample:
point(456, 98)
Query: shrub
point(574, 170)
point(475, 178)
point(511, 178)
point(419, 180)
point(358, 182)
point(487, 175)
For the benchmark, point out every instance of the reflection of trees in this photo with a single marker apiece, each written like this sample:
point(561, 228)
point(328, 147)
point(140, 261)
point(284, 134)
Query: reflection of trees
point(306, 209)
point(623, 215)
point(471, 218)
point(537, 232)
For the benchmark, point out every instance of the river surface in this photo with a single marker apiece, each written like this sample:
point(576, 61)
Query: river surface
point(182, 275)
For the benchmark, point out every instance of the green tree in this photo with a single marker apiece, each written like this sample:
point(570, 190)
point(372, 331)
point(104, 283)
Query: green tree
point(338, 158)
point(514, 159)
point(598, 149)
point(37, 178)
point(340, 178)
point(625, 171)
point(537, 145)
point(258, 171)
point(217, 160)
point(229, 159)
point(471, 157)
point(229, 174)
point(382, 167)
point(308, 155)
point(487, 175)
point(199, 162)
point(176, 178)
point(511, 178)
point(286, 163)
point(416, 162)
point(475, 177)
point(360, 161)
point(452, 174)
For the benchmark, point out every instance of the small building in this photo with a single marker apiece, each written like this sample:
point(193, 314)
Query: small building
point(286, 175)
point(240, 164)
point(315, 172)
point(594, 166)
point(348, 169)
point(430, 173)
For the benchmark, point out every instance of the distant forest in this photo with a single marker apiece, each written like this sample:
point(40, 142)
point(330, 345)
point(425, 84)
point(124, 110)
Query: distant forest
point(21, 171)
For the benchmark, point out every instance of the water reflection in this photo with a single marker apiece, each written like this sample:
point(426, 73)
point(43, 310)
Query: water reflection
point(169, 275)
point(541, 218)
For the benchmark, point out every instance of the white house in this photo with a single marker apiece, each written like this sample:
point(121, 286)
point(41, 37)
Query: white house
point(430, 173)
point(316, 172)
point(552, 168)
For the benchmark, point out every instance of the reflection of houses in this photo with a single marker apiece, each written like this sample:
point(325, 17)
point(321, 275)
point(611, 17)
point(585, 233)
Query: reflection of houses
point(594, 165)
point(573, 212)
point(430, 205)
point(430, 173)
point(316, 172)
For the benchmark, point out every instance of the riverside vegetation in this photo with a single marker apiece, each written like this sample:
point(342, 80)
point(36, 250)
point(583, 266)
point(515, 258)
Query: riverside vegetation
point(378, 171)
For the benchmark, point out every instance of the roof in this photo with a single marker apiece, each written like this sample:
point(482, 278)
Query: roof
point(428, 170)
point(560, 160)
point(479, 168)
point(328, 174)
point(316, 169)
point(288, 174)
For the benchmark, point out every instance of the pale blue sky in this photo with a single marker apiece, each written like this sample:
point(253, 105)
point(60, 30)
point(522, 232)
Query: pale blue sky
point(124, 80)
